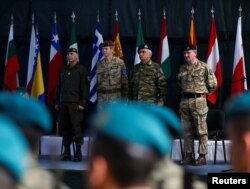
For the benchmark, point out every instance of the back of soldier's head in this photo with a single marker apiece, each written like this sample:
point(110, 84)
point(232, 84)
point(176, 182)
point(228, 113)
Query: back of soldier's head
point(14, 152)
point(32, 116)
point(132, 140)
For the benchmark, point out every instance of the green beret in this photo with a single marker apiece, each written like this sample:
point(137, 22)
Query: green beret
point(14, 151)
point(72, 50)
point(239, 105)
point(26, 112)
point(133, 124)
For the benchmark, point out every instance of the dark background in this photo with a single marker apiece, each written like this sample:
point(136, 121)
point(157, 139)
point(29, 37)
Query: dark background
point(178, 22)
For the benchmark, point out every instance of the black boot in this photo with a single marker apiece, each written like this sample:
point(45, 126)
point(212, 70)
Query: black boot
point(66, 156)
point(78, 152)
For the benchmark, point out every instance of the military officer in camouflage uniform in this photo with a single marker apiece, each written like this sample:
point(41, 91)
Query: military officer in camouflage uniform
point(146, 82)
point(72, 95)
point(111, 74)
point(196, 82)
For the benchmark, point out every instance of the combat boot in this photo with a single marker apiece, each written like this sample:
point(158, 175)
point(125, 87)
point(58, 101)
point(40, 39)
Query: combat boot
point(188, 160)
point(78, 152)
point(66, 156)
point(201, 160)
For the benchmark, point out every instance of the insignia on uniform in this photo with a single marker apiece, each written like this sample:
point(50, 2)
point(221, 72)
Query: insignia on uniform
point(124, 72)
point(114, 67)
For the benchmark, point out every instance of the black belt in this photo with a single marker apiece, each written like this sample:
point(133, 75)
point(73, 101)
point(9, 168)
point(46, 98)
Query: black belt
point(108, 91)
point(193, 95)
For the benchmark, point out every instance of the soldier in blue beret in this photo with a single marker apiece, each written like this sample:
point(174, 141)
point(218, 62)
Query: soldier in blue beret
point(34, 120)
point(125, 152)
point(238, 126)
point(14, 154)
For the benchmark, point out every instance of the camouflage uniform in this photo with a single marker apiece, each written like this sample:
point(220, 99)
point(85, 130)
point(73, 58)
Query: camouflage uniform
point(196, 82)
point(37, 177)
point(112, 80)
point(168, 175)
point(147, 83)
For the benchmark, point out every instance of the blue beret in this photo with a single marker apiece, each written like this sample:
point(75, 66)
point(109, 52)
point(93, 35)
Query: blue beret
point(170, 119)
point(133, 124)
point(240, 104)
point(26, 112)
point(14, 151)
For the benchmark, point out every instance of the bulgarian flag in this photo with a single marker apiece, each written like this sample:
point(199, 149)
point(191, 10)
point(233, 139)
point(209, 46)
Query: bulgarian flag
point(118, 48)
point(239, 82)
point(163, 53)
point(139, 40)
point(11, 81)
point(213, 60)
point(192, 34)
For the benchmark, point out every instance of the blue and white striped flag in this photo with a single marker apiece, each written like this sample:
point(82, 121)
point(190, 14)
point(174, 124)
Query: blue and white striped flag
point(97, 55)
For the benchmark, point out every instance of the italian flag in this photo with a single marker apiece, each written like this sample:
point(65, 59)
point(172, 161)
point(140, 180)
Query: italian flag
point(163, 53)
point(11, 81)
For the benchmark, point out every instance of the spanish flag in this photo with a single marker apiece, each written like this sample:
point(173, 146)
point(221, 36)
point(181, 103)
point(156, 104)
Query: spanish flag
point(192, 34)
point(118, 48)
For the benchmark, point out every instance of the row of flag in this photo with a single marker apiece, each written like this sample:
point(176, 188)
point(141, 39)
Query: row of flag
point(35, 85)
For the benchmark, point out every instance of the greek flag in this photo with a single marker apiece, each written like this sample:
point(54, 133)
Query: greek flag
point(97, 55)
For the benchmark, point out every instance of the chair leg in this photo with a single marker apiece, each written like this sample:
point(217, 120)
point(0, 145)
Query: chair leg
point(224, 151)
point(215, 149)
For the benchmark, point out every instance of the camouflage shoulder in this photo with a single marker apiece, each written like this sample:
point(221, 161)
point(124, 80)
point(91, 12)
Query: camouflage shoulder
point(202, 63)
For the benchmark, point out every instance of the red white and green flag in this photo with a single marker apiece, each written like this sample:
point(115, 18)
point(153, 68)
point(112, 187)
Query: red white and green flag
point(11, 81)
point(163, 53)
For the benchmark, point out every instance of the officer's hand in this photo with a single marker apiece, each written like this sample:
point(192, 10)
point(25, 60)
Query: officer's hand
point(57, 107)
point(80, 108)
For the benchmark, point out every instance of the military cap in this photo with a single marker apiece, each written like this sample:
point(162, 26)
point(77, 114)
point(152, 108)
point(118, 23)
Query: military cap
point(143, 46)
point(239, 105)
point(134, 125)
point(14, 151)
point(26, 111)
point(190, 47)
point(108, 43)
point(72, 49)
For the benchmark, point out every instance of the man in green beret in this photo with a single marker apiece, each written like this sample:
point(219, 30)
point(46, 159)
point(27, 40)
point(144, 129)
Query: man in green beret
point(72, 95)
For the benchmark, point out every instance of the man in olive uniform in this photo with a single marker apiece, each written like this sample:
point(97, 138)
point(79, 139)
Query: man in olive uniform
point(72, 95)
point(146, 82)
point(196, 81)
point(111, 74)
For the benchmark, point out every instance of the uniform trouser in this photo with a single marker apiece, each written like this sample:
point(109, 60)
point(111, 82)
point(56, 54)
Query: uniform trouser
point(70, 122)
point(193, 117)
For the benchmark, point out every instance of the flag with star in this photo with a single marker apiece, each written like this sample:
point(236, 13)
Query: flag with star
point(55, 63)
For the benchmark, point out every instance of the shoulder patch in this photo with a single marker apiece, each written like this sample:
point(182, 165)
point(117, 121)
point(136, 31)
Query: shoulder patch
point(124, 71)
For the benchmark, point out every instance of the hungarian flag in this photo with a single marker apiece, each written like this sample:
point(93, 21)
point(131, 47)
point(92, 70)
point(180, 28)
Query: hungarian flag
point(192, 34)
point(213, 60)
point(55, 63)
point(73, 41)
point(239, 82)
point(118, 48)
point(139, 40)
point(11, 81)
point(163, 53)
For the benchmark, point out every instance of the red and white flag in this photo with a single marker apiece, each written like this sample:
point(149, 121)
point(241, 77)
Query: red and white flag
point(213, 61)
point(239, 82)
